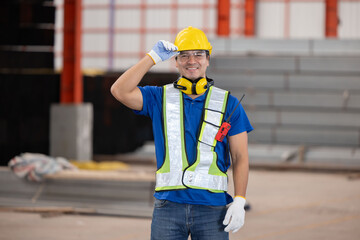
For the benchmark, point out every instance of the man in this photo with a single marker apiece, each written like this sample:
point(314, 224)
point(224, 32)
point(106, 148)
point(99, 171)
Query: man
point(191, 180)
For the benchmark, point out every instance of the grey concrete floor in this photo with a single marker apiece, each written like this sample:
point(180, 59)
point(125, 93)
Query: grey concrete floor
point(284, 206)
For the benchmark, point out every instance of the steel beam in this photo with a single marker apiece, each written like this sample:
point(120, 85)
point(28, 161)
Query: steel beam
point(223, 23)
point(331, 19)
point(71, 87)
point(250, 13)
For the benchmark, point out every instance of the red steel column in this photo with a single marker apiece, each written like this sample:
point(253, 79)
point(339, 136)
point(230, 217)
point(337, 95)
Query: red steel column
point(331, 19)
point(249, 29)
point(71, 87)
point(223, 23)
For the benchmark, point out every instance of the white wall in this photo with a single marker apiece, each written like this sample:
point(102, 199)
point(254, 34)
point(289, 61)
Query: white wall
point(349, 17)
point(307, 20)
point(270, 20)
point(296, 20)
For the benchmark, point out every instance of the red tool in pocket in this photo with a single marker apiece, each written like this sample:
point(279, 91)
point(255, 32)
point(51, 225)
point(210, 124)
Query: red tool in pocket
point(225, 126)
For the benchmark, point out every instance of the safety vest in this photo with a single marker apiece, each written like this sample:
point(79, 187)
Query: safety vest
point(175, 173)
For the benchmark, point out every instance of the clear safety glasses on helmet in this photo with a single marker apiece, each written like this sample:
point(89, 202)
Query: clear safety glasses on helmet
point(185, 56)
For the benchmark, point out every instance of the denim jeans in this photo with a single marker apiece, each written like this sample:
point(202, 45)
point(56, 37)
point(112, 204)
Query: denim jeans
point(175, 221)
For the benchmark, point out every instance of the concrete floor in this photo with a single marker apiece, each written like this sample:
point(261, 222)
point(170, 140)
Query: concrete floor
point(284, 206)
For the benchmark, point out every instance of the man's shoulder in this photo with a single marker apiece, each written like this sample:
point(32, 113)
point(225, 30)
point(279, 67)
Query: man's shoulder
point(151, 89)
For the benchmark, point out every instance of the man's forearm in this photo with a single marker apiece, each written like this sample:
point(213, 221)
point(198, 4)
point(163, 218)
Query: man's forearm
point(240, 176)
point(125, 87)
point(240, 162)
point(235, 215)
point(129, 80)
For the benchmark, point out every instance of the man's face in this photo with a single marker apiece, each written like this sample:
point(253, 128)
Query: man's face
point(192, 64)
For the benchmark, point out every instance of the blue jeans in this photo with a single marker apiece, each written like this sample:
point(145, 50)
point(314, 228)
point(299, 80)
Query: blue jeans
point(175, 221)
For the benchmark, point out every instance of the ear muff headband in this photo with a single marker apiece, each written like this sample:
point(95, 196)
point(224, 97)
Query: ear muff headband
point(198, 86)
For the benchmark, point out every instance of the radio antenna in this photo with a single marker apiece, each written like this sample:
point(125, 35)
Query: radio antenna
point(228, 119)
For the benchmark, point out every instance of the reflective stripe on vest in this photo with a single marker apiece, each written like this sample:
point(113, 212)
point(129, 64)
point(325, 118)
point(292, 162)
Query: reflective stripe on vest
point(204, 173)
point(169, 176)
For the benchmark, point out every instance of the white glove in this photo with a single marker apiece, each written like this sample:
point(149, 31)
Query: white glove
point(235, 215)
point(163, 50)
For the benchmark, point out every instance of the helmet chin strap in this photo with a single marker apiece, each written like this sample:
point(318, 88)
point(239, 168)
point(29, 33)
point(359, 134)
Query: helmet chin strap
point(196, 87)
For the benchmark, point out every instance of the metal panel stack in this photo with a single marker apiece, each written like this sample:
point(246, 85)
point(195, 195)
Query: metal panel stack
point(113, 193)
point(298, 92)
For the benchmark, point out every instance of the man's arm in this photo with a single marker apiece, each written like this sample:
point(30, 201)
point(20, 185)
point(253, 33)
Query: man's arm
point(125, 87)
point(240, 161)
point(235, 215)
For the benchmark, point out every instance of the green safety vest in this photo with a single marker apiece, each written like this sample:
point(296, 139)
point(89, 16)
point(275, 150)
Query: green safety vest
point(175, 173)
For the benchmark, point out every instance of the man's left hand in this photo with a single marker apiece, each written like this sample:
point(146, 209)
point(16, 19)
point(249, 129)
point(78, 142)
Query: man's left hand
point(235, 215)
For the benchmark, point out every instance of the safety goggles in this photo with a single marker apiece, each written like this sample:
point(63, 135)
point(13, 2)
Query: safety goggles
point(185, 55)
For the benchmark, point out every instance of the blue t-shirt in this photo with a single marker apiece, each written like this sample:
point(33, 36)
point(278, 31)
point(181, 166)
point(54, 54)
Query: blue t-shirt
point(193, 108)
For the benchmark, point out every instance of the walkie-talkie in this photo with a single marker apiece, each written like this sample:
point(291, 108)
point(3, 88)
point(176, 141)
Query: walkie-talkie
point(225, 126)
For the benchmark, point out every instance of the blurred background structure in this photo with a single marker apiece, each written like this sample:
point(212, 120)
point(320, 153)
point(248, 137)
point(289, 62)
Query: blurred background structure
point(116, 34)
point(297, 61)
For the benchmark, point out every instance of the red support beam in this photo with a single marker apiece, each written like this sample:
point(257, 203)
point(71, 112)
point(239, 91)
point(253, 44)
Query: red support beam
point(223, 23)
point(71, 86)
point(249, 29)
point(331, 18)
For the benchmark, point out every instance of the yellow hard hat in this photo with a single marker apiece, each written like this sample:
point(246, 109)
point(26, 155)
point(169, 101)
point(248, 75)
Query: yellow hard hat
point(191, 38)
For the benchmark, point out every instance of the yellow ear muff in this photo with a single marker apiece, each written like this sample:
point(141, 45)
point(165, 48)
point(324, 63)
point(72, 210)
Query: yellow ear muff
point(186, 84)
point(201, 86)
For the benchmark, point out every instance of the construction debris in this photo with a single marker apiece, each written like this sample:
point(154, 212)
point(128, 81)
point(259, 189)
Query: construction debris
point(34, 166)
